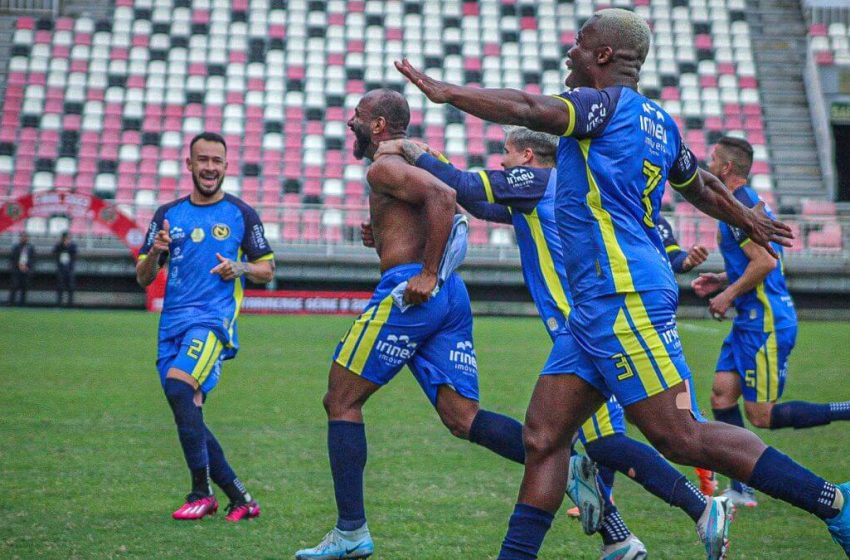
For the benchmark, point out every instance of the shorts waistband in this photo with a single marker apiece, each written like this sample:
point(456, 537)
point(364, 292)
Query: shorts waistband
point(401, 268)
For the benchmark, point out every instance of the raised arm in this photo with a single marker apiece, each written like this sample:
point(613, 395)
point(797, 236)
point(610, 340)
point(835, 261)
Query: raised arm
point(504, 106)
point(392, 176)
point(707, 193)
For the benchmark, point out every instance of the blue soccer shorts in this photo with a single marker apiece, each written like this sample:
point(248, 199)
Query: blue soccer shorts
point(760, 359)
point(607, 421)
point(433, 339)
point(625, 345)
point(198, 352)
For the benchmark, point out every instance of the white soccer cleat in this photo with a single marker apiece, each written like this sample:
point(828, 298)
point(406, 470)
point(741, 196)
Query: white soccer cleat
point(340, 544)
point(747, 498)
point(630, 549)
point(713, 527)
point(583, 489)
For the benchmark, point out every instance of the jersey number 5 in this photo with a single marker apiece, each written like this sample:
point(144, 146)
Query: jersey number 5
point(653, 179)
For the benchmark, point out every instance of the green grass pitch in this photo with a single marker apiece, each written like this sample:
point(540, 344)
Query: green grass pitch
point(90, 464)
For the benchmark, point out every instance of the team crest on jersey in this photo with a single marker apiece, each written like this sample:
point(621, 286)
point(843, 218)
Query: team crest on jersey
point(221, 231)
point(197, 235)
point(552, 323)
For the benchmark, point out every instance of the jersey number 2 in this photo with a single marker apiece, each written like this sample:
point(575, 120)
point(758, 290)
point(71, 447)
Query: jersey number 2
point(653, 179)
point(195, 348)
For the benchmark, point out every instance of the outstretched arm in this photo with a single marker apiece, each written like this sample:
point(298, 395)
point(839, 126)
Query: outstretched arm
point(392, 176)
point(504, 106)
point(707, 193)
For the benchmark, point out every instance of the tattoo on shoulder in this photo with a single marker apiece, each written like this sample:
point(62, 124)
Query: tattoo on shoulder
point(411, 151)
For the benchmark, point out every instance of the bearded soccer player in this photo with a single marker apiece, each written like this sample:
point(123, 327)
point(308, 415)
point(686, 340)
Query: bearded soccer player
point(211, 241)
point(618, 150)
point(419, 316)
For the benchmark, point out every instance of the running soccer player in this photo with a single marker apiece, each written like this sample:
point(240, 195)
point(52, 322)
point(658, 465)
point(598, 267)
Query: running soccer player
point(754, 358)
point(429, 329)
point(618, 150)
point(523, 194)
point(211, 242)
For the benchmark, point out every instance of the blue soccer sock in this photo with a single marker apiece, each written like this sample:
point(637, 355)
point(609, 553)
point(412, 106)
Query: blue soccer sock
point(498, 433)
point(613, 529)
point(526, 530)
point(606, 475)
point(347, 453)
point(649, 469)
point(799, 414)
point(222, 474)
point(779, 476)
point(731, 415)
point(839, 410)
point(191, 431)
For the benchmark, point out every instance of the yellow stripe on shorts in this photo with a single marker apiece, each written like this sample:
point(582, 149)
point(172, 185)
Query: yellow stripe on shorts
point(364, 349)
point(767, 359)
point(353, 336)
point(656, 346)
point(209, 357)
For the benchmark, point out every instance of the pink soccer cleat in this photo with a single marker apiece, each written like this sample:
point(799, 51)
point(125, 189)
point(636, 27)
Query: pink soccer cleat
point(243, 510)
point(196, 508)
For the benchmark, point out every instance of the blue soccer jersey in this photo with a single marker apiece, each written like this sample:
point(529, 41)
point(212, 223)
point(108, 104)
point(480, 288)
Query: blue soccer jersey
point(619, 151)
point(769, 306)
point(193, 296)
point(675, 254)
point(525, 198)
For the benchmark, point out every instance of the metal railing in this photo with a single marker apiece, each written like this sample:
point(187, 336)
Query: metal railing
point(327, 230)
point(34, 7)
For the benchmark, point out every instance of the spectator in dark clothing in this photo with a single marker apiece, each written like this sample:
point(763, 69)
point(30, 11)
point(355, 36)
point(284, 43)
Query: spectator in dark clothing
point(65, 253)
point(22, 261)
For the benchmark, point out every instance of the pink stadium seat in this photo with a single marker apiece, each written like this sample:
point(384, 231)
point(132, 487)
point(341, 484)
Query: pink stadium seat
point(817, 30)
point(827, 239)
point(814, 207)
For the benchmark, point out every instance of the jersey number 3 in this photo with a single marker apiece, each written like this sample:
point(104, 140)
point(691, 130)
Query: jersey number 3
point(653, 179)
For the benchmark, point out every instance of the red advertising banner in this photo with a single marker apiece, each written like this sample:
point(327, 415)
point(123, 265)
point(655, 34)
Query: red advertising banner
point(294, 302)
point(77, 206)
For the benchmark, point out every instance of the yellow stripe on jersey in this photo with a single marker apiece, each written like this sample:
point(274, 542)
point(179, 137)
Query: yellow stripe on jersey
point(571, 115)
point(767, 359)
point(208, 358)
point(547, 264)
point(267, 257)
point(616, 258)
point(657, 349)
point(441, 157)
point(488, 188)
point(370, 333)
point(672, 248)
point(686, 184)
point(238, 294)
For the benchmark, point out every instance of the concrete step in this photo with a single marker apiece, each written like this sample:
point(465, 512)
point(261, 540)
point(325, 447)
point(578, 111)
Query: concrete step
point(800, 171)
point(779, 57)
point(783, 98)
point(795, 141)
point(786, 114)
point(796, 157)
point(772, 84)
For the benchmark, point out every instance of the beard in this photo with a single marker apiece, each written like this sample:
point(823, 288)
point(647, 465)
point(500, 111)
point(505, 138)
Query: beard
point(362, 141)
point(207, 191)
